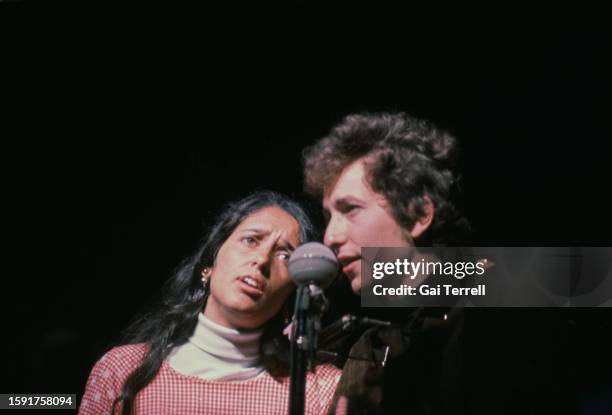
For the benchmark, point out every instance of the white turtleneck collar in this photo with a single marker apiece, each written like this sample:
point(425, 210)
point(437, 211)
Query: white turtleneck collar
point(215, 352)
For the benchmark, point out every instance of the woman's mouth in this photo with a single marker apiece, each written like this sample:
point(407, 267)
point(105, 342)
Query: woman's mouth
point(251, 286)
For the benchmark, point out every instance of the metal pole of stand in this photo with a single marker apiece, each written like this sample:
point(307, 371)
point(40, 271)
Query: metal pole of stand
point(312, 266)
point(298, 352)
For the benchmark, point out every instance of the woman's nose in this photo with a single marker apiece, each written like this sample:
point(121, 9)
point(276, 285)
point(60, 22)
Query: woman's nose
point(263, 258)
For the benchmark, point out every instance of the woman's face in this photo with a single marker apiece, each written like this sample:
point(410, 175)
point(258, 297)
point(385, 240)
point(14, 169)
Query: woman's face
point(249, 281)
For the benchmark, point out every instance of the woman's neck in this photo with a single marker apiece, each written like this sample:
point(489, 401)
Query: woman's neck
point(215, 352)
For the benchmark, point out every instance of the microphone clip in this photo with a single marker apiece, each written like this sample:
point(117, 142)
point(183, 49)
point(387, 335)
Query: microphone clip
point(310, 305)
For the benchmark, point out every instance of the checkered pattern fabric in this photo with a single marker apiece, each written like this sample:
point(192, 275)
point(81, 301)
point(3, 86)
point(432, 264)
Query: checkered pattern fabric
point(171, 392)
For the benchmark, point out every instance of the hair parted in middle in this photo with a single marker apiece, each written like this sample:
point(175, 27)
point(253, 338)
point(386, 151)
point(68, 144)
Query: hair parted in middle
point(184, 296)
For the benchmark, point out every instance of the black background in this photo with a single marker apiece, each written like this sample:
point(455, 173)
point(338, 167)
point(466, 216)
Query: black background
point(126, 125)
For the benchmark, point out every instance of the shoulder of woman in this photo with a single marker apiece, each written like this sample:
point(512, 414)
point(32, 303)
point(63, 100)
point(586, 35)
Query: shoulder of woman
point(107, 377)
point(125, 354)
point(119, 362)
point(321, 387)
point(328, 370)
point(326, 377)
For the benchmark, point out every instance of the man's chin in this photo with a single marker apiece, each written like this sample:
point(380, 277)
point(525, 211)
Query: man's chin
point(356, 285)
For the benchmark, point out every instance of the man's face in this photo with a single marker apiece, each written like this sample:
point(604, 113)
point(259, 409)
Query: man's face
point(358, 217)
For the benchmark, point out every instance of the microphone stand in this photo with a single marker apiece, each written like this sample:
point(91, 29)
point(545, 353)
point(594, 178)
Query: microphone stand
point(310, 304)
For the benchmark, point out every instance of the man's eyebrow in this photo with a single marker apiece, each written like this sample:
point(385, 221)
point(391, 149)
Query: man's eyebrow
point(339, 203)
point(346, 200)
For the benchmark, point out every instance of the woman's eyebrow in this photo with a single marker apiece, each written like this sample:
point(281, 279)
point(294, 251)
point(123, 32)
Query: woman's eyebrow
point(263, 232)
point(256, 230)
point(289, 245)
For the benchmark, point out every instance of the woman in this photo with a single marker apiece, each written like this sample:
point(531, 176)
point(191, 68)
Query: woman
point(215, 346)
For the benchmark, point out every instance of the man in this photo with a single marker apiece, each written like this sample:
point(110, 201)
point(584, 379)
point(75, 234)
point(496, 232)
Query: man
point(389, 180)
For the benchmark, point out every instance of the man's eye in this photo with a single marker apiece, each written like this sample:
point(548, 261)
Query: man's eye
point(351, 208)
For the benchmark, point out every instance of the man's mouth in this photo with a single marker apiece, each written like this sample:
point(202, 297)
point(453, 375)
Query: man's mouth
point(348, 263)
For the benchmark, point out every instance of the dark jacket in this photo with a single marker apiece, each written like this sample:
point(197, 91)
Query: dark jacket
point(412, 367)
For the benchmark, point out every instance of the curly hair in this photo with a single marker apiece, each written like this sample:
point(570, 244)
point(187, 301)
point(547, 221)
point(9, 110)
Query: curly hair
point(407, 160)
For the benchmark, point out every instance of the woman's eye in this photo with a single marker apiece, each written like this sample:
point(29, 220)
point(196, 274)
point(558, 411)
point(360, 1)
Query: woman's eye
point(249, 241)
point(284, 255)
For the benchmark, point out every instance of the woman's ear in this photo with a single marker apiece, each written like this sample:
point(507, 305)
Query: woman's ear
point(424, 222)
point(206, 273)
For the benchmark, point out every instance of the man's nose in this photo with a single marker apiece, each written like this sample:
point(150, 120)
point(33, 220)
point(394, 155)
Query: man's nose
point(335, 234)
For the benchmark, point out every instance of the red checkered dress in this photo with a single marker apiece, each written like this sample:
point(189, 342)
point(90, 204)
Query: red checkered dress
point(171, 392)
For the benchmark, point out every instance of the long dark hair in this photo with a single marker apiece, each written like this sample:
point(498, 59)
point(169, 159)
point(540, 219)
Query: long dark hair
point(172, 322)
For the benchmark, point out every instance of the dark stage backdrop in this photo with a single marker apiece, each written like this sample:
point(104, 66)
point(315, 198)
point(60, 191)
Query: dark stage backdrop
point(126, 125)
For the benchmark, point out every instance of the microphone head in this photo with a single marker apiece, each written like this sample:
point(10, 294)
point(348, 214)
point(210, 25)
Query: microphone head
point(313, 263)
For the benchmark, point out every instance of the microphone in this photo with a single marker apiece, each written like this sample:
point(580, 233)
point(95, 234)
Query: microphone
point(313, 263)
point(312, 266)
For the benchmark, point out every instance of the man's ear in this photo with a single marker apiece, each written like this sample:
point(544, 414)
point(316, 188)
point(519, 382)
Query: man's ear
point(424, 222)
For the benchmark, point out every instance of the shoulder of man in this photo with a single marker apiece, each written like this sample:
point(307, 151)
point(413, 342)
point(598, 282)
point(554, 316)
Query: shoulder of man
point(421, 349)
